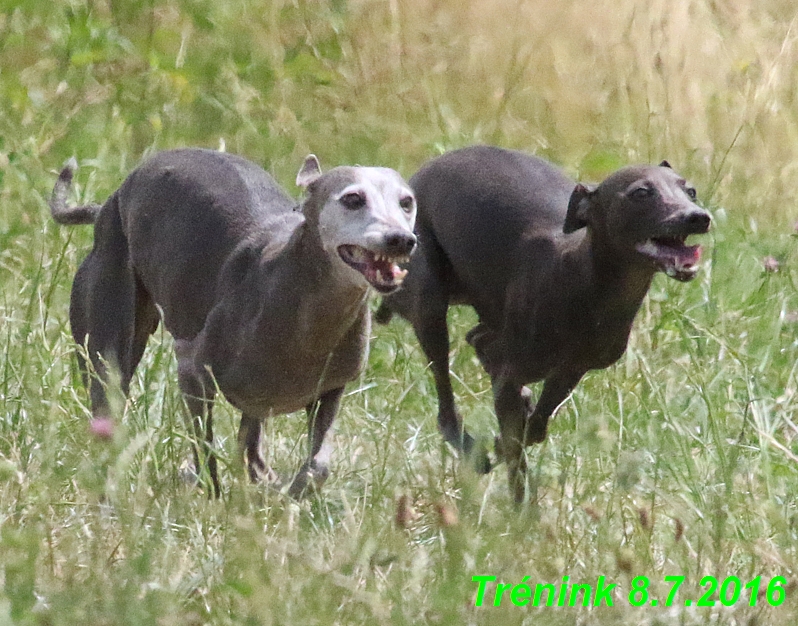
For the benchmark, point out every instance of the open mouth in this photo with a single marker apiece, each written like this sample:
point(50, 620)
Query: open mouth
point(382, 272)
point(672, 256)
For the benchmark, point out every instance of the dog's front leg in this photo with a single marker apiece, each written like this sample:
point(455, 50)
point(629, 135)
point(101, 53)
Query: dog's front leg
point(511, 411)
point(199, 393)
point(249, 440)
point(488, 347)
point(321, 414)
point(556, 390)
point(200, 415)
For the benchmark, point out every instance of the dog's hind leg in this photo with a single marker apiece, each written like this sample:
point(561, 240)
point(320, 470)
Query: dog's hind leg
point(424, 301)
point(102, 311)
point(321, 414)
point(249, 438)
point(511, 411)
point(199, 392)
point(433, 335)
point(555, 391)
point(200, 413)
point(145, 324)
point(79, 317)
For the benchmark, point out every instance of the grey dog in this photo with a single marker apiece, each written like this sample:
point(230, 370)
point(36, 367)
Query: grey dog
point(266, 300)
point(555, 270)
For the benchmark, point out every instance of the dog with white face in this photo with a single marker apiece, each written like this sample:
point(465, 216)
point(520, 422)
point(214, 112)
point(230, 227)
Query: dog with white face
point(266, 301)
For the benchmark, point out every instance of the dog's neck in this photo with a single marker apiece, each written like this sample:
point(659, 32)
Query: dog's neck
point(619, 283)
point(326, 297)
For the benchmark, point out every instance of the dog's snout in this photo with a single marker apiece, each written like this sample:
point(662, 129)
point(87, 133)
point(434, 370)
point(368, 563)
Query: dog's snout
point(400, 243)
point(698, 220)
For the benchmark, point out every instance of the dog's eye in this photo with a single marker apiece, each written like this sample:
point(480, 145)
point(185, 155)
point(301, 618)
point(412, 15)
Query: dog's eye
point(691, 193)
point(407, 204)
point(642, 192)
point(353, 200)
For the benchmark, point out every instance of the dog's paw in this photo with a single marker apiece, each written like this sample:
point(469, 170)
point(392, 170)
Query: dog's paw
point(477, 455)
point(187, 475)
point(264, 475)
point(473, 451)
point(536, 428)
point(536, 431)
point(526, 396)
point(310, 477)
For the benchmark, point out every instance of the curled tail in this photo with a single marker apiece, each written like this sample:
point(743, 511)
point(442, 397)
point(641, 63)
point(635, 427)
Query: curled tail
point(63, 214)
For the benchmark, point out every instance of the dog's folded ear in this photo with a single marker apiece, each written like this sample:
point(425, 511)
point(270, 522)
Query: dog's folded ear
point(666, 164)
point(309, 171)
point(576, 217)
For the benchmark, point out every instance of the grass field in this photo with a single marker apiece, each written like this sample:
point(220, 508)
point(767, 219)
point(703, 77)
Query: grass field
point(681, 460)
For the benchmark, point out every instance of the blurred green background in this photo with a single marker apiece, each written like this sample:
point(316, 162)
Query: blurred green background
point(708, 85)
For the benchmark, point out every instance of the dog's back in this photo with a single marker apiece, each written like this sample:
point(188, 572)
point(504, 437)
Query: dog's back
point(475, 207)
point(205, 204)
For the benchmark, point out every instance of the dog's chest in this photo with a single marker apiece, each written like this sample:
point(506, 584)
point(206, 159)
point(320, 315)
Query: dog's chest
point(577, 342)
point(289, 376)
point(605, 345)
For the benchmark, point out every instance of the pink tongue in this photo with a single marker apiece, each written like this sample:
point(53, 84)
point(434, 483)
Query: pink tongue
point(689, 255)
point(385, 267)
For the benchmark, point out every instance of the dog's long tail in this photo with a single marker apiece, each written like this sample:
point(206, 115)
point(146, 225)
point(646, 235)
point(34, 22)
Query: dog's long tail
point(63, 214)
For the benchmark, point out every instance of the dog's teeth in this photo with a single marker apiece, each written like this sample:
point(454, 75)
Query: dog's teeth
point(400, 275)
point(649, 247)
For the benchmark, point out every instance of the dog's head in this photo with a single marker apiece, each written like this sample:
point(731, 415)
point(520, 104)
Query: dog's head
point(365, 218)
point(643, 213)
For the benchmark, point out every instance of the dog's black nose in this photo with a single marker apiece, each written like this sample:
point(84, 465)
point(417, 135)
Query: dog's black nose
point(698, 220)
point(399, 243)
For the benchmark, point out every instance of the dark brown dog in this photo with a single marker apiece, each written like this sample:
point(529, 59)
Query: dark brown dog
point(556, 271)
point(265, 299)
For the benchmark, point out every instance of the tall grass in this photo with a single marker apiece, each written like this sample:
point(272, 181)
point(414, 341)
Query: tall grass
point(682, 459)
